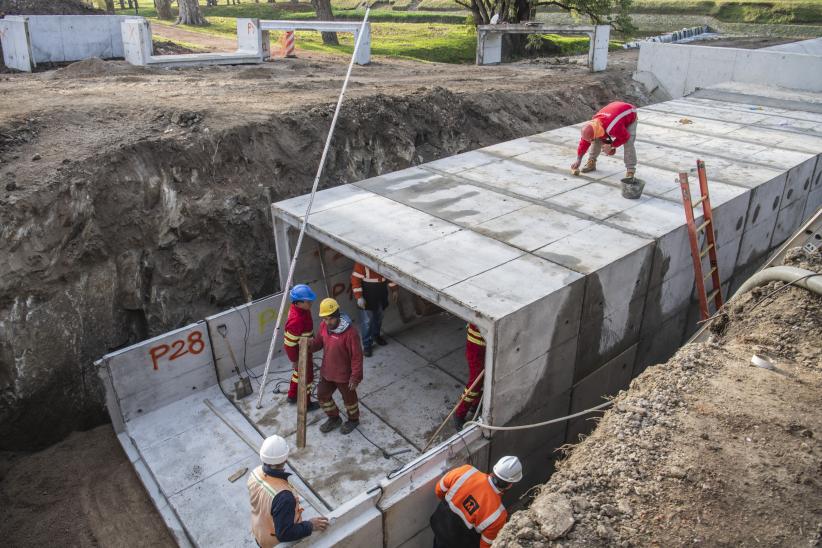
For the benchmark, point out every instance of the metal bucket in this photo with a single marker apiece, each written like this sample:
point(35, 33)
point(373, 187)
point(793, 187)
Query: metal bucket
point(632, 187)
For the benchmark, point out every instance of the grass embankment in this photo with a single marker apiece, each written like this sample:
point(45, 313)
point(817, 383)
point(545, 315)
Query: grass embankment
point(773, 12)
point(416, 35)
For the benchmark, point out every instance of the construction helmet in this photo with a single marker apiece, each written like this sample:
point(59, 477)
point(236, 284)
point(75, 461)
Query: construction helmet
point(274, 450)
point(508, 469)
point(328, 307)
point(302, 292)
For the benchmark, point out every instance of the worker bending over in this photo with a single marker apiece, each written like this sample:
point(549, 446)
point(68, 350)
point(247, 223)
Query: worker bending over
point(299, 324)
point(475, 356)
point(470, 512)
point(276, 514)
point(341, 367)
point(372, 292)
point(612, 127)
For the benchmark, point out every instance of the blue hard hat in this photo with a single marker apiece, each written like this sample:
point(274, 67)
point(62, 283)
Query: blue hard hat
point(302, 292)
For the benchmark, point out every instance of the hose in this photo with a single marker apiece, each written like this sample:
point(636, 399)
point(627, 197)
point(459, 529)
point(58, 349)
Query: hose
point(538, 424)
point(788, 274)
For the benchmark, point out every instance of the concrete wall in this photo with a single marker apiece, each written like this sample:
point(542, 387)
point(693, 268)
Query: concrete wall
point(809, 47)
point(682, 69)
point(14, 37)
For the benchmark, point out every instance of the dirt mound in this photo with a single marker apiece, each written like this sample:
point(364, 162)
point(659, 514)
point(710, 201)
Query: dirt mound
point(95, 68)
point(706, 448)
point(83, 491)
point(46, 7)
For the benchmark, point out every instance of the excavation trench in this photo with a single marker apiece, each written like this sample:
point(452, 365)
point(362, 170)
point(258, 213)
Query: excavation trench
point(146, 235)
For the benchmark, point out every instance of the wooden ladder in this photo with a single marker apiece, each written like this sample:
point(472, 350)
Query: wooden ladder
point(698, 254)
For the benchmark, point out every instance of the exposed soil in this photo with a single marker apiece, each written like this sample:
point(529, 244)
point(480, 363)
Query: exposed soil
point(706, 449)
point(82, 491)
point(46, 7)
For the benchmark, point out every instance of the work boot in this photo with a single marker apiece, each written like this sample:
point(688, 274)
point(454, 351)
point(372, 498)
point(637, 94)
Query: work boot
point(380, 341)
point(349, 427)
point(367, 352)
point(459, 422)
point(629, 174)
point(330, 424)
point(291, 401)
point(313, 405)
point(589, 166)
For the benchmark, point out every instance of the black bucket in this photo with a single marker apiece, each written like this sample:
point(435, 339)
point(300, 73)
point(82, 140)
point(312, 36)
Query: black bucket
point(632, 188)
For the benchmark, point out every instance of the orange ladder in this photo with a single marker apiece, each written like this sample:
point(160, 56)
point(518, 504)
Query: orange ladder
point(707, 227)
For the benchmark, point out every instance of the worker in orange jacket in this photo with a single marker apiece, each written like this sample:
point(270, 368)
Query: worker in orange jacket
point(299, 324)
point(470, 512)
point(372, 292)
point(475, 356)
point(612, 127)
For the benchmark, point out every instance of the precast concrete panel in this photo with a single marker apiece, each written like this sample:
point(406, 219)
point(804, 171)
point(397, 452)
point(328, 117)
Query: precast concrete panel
point(790, 218)
point(659, 344)
point(597, 200)
point(516, 178)
point(532, 227)
point(461, 162)
point(526, 442)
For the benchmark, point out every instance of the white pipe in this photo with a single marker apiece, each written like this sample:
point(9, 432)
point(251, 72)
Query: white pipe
point(287, 285)
point(800, 277)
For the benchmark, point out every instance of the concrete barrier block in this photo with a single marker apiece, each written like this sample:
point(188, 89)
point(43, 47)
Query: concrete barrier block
point(250, 37)
point(364, 51)
point(598, 49)
point(137, 46)
point(16, 43)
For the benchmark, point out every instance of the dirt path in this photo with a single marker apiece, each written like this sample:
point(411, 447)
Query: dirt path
point(80, 492)
point(705, 449)
point(206, 42)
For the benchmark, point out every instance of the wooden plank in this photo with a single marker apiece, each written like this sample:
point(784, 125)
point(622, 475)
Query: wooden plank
point(302, 392)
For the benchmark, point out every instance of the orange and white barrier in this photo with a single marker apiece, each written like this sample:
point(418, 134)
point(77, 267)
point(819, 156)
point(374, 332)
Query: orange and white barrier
point(288, 44)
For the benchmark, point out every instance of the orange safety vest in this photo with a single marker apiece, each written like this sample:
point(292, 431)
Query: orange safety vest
point(472, 495)
point(262, 489)
point(363, 274)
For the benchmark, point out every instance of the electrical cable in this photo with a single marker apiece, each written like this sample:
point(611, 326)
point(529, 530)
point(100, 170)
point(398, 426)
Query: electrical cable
point(538, 424)
point(304, 223)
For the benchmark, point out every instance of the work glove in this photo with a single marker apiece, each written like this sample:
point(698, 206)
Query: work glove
point(361, 303)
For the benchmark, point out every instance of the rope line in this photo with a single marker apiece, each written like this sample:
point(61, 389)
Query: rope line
point(304, 223)
point(538, 424)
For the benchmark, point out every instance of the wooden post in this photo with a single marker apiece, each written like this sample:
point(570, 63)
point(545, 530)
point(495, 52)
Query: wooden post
point(302, 392)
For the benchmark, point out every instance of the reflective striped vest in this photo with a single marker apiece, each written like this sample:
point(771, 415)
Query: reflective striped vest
point(363, 274)
point(473, 497)
point(474, 335)
point(299, 324)
point(261, 490)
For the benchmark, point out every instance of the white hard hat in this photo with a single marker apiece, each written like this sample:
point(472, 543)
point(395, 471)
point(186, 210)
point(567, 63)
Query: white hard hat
point(274, 450)
point(508, 469)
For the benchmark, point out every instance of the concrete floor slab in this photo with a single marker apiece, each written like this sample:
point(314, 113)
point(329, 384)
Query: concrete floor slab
point(446, 198)
point(416, 405)
point(672, 136)
point(435, 337)
point(659, 182)
point(756, 109)
point(327, 199)
point(703, 126)
point(532, 227)
point(509, 149)
point(597, 200)
point(518, 179)
point(684, 107)
point(339, 467)
point(461, 162)
point(388, 365)
point(455, 364)
point(452, 258)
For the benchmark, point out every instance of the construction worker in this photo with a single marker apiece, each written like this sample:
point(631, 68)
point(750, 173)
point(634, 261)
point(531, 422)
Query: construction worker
point(610, 128)
point(470, 512)
point(372, 292)
point(341, 367)
point(299, 324)
point(276, 514)
point(475, 356)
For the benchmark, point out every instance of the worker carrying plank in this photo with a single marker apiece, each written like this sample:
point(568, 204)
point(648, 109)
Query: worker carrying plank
point(341, 367)
point(612, 127)
point(372, 291)
point(276, 514)
point(475, 356)
point(470, 512)
point(299, 324)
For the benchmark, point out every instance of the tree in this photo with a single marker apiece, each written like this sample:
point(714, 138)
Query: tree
point(110, 6)
point(323, 9)
point(599, 12)
point(163, 9)
point(190, 13)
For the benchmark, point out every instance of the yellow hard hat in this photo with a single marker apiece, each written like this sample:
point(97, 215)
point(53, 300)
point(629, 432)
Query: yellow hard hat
point(328, 307)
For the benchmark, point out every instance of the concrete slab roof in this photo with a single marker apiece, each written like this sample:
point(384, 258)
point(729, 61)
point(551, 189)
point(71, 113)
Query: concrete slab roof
point(500, 227)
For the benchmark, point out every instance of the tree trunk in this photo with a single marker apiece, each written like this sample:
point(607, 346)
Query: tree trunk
point(190, 13)
point(163, 9)
point(122, 4)
point(523, 10)
point(110, 6)
point(323, 9)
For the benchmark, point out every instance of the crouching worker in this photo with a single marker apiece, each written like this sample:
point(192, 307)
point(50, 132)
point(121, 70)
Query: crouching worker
point(276, 514)
point(612, 127)
point(341, 368)
point(470, 512)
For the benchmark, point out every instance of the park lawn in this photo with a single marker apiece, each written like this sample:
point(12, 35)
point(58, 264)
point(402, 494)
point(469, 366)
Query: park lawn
point(739, 11)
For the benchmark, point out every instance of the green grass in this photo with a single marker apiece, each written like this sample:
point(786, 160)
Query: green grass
point(739, 11)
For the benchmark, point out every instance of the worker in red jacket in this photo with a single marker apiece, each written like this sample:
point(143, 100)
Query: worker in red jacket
point(475, 356)
point(341, 368)
point(299, 324)
point(612, 127)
